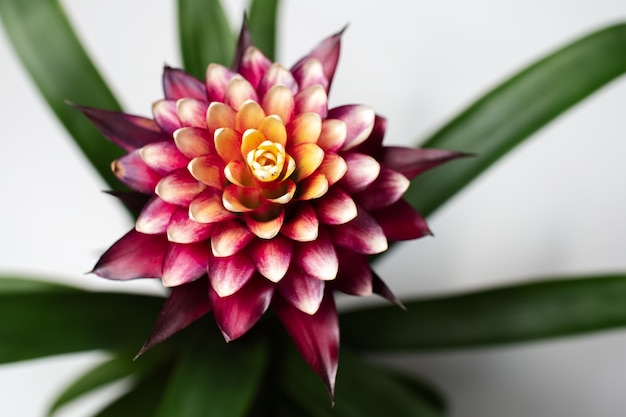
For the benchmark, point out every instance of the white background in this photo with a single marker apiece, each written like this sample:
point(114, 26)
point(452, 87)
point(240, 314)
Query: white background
point(554, 207)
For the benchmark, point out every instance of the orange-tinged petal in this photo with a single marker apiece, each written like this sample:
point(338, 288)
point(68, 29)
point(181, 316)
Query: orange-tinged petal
point(308, 157)
point(238, 92)
point(250, 140)
point(304, 128)
point(163, 157)
point(333, 135)
point(182, 229)
point(155, 216)
point(208, 170)
point(241, 199)
point(238, 173)
point(279, 100)
point(249, 116)
point(265, 229)
point(334, 167)
point(207, 207)
point(303, 224)
point(281, 193)
point(227, 143)
point(229, 237)
point(273, 128)
point(193, 141)
point(192, 112)
point(219, 115)
point(312, 187)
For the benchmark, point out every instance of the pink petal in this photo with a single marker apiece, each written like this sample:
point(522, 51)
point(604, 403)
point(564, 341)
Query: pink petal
point(271, 257)
point(163, 157)
point(355, 275)
point(279, 100)
point(316, 336)
point(362, 235)
point(362, 171)
point(303, 225)
point(311, 100)
point(388, 188)
point(253, 66)
point(333, 167)
point(276, 74)
point(135, 255)
point(125, 130)
point(164, 113)
point(401, 221)
point(207, 207)
point(311, 73)
point(184, 230)
point(193, 142)
point(179, 187)
point(359, 122)
point(265, 229)
point(302, 291)
point(184, 305)
point(208, 169)
point(336, 207)
point(229, 274)
point(239, 91)
point(230, 237)
point(236, 314)
point(333, 135)
point(373, 145)
point(155, 217)
point(133, 171)
point(220, 115)
point(178, 84)
point(217, 79)
point(192, 112)
point(327, 52)
point(318, 258)
point(412, 162)
point(184, 263)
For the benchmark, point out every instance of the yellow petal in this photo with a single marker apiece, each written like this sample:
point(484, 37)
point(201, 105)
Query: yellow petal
point(273, 129)
point(305, 128)
point(227, 143)
point(249, 116)
point(279, 100)
point(308, 157)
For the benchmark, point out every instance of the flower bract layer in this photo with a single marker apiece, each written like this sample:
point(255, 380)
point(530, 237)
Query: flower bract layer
point(258, 195)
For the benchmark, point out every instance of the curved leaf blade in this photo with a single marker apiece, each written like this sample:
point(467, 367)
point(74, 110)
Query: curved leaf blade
point(262, 25)
point(362, 390)
point(513, 111)
point(56, 61)
point(109, 371)
point(205, 35)
point(44, 323)
point(213, 379)
point(512, 314)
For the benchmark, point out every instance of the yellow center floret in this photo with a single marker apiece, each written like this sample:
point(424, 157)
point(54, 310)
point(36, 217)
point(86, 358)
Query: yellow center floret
point(267, 161)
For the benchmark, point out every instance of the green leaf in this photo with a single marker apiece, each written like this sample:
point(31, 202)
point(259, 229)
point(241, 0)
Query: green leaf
point(205, 35)
point(111, 370)
point(362, 390)
point(43, 323)
point(498, 316)
point(215, 379)
point(262, 25)
point(141, 399)
point(61, 69)
point(23, 285)
point(516, 109)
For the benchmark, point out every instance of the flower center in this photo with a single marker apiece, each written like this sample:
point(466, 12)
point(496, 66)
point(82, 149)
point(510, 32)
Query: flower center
point(266, 162)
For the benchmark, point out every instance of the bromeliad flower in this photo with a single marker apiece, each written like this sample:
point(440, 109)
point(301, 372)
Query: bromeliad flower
point(261, 196)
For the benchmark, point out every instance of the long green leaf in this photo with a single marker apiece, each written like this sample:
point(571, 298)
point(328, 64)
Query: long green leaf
point(43, 323)
point(205, 35)
point(113, 369)
point(516, 109)
point(213, 379)
point(362, 390)
point(262, 25)
point(59, 66)
point(23, 285)
point(498, 316)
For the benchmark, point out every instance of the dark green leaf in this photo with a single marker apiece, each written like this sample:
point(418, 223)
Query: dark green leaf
point(141, 399)
point(59, 66)
point(215, 379)
point(362, 390)
point(111, 370)
point(43, 323)
point(262, 25)
point(516, 109)
point(518, 313)
point(205, 35)
point(23, 285)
